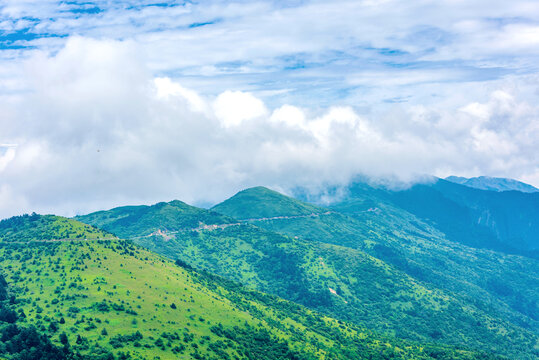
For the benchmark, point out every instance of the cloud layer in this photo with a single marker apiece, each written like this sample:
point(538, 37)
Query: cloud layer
point(107, 103)
point(98, 130)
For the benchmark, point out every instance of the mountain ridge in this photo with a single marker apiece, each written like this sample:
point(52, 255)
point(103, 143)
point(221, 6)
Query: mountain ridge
point(493, 183)
point(244, 205)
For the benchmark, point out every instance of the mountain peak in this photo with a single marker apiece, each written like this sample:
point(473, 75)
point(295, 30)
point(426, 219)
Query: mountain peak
point(493, 183)
point(261, 202)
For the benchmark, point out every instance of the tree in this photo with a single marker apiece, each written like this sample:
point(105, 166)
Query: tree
point(63, 339)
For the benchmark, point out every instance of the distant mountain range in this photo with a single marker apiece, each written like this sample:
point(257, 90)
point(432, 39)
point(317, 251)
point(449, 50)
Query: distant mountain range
point(493, 183)
point(506, 221)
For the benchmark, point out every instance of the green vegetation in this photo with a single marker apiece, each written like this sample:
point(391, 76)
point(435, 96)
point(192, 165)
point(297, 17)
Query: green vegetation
point(260, 202)
point(95, 297)
point(138, 221)
point(345, 283)
point(46, 227)
point(502, 221)
point(350, 282)
point(366, 219)
point(419, 248)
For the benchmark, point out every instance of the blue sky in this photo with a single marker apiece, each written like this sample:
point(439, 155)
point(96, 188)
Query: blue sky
point(196, 100)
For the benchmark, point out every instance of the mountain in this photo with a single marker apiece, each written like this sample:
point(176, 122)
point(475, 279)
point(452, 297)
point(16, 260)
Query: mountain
point(427, 232)
point(504, 221)
point(108, 298)
point(493, 183)
point(142, 220)
point(370, 219)
point(341, 279)
point(260, 202)
point(47, 227)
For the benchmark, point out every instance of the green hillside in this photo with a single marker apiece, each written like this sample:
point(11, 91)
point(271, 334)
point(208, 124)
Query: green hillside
point(261, 202)
point(343, 282)
point(504, 286)
point(419, 248)
point(47, 227)
point(367, 219)
point(503, 221)
point(24, 342)
point(99, 296)
point(144, 220)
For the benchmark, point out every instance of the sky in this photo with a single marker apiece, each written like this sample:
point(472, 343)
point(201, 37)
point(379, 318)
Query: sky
point(107, 103)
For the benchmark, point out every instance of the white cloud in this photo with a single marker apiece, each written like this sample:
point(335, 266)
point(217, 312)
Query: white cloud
point(102, 132)
point(234, 107)
point(6, 158)
point(167, 89)
point(289, 115)
point(148, 103)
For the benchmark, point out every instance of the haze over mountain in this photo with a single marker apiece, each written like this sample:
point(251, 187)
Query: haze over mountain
point(493, 183)
point(507, 221)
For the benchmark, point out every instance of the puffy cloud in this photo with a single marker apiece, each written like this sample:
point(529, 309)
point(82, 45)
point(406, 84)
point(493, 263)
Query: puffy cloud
point(289, 115)
point(234, 107)
point(167, 89)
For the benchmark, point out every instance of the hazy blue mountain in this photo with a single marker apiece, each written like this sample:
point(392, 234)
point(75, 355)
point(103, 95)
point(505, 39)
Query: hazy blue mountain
point(505, 221)
point(493, 183)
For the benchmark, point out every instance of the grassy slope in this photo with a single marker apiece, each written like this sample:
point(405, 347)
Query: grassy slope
point(46, 227)
point(370, 223)
point(86, 286)
point(507, 283)
point(369, 292)
point(24, 342)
